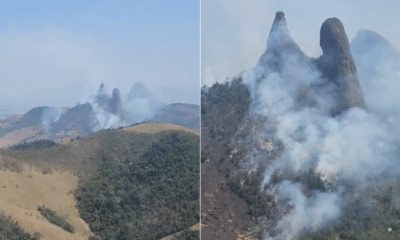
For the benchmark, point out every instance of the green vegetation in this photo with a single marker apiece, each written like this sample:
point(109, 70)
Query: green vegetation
point(223, 106)
point(79, 157)
point(51, 216)
point(145, 189)
point(359, 222)
point(39, 144)
point(10, 230)
point(229, 94)
point(247, 187)
point(313, 180)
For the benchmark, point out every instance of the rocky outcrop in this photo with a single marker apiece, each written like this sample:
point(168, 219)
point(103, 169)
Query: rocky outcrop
point(115, 103)
point(280, 46)
point(337, 65)
point(109, 104)
point(102, 94)
point(102, 98)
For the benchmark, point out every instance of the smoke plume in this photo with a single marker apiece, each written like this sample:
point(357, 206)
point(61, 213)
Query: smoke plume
point(320, 117)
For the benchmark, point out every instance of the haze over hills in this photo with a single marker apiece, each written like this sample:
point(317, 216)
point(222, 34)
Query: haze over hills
point(301, 147)
point(101, 111)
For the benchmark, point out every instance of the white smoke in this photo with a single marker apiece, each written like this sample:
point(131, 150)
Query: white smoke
point(139, 109)
point(355, 146)
point(307, 212)
point(51, 115)
point(105, 119)
point(135, 110)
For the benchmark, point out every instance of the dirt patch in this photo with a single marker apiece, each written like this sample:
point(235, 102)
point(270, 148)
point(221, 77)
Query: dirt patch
point(22, 193)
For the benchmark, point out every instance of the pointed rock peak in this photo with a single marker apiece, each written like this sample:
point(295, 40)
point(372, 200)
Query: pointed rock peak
point(333, 37)
point(280, 15)
point(337, 65)
point(280, 45)
point(279, 35)
point(102, 89)
point(115, 103)
point(279, 23)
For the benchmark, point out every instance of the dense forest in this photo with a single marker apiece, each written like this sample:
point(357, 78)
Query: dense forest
point(141, 190)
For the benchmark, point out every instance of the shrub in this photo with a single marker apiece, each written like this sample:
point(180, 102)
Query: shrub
point(51, 216)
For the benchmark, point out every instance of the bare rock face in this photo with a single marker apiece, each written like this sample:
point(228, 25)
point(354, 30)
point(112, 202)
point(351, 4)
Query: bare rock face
point(280, 45)
point(102, 98)
point(109, 104)
point(115, 103)
point(337, 64)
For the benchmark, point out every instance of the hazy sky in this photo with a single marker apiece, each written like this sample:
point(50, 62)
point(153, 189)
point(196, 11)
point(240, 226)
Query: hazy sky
point(234, 32)
point(58, 52)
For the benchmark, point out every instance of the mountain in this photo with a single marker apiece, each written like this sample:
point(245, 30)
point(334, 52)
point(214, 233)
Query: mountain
point(378, 62)
point(373, 47)
point(77, 121)
point(140, 104)
point(99, 112)
point(110, 104)
point(139, 90)
point(186, 115)
point(280, 46)
point(266, 134)
point(335, 64)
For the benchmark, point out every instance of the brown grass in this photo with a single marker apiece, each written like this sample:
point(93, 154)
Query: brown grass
point(152, 128)
point(27, 190)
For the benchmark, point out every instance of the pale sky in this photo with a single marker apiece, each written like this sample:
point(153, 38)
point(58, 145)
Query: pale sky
point(234, 32)
point(56, 53)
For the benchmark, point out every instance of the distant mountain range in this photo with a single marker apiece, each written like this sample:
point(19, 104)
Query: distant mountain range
point(101, 111)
